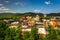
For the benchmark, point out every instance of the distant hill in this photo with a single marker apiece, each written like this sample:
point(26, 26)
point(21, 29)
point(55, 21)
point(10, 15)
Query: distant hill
point(28, 13)
point(16, 16)
point(54, 14)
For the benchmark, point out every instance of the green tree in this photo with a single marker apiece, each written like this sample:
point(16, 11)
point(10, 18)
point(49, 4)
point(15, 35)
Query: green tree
point(34, 33)
point(58, 32)
point(52, 34)
point(26, 35)
point(18, 34)
point(13, 34)
point(40, 37)
point(3, 27)
point(10, 33)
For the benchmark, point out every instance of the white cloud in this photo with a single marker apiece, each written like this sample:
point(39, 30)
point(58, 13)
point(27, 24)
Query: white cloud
point(1, 4)
point(47, 2)
point(9, 11)
point(7, 1)
point(37, 11)
point(4, 9)
point(18, 3)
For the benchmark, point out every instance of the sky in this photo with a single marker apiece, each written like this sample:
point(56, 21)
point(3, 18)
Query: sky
point(38, 6)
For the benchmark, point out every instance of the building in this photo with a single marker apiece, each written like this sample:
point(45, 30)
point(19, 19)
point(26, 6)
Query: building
point(14, 25)
point(45, 15)
point(37, 18)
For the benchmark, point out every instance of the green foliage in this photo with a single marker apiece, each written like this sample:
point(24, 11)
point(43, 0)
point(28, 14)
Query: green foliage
point(26, 35)
point(40, 37)
point(34, 33)
point(10, 33)
point(3, 27)
point(13, 34)
point(7, 33)
point(52, 34)
point(18, 35)
point(58, 34)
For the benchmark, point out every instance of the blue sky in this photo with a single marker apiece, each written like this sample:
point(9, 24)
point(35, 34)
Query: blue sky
point(21, 6)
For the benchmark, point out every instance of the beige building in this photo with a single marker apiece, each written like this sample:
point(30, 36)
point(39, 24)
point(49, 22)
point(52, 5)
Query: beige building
point(36, 18)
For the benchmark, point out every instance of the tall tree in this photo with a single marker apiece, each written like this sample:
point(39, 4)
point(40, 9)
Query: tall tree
point(52, 34)
point(18, 34)
point(3, 27)
point(26, 35)
point(10, 33)
point(34, 33)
